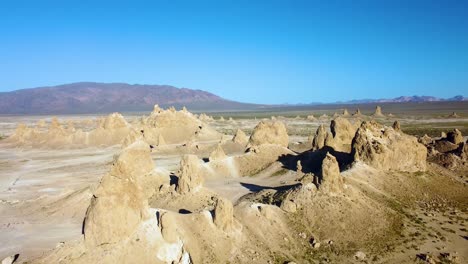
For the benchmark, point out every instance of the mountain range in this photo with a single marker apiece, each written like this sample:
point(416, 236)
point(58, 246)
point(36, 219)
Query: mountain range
point(92, 97)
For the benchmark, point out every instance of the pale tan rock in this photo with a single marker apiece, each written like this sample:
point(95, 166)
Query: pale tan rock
point(311, 118)
point(269, 132)
point(378, 112)
point(342, 132)
point(345, 113)
point(425, 140)
point(223, 214)
point(240, 138)
point(217, 154)
point(455, 136)
point(331, 180)
point(357, 113)
point(119, 205)
point(384, 148)
point(113, 121)
point(161, 141)
point(319, 139)
point(190, 179)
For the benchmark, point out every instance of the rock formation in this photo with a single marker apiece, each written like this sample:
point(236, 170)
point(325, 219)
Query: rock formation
point(345, 113)
point(330, 180)
point(378, 112)
point(119, 205)
point(175, 127)
point(455, 136)
point(224, 214)
point(343, 133)
point(269, 132)
point(319, 139)
point(190, 179)
point(384, 148)
point(311, 118)
point(240, 138)
point(217, 154)
point(357, 113)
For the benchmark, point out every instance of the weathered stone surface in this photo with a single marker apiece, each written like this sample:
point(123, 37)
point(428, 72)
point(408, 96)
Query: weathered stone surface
point(384, 148)
point(190, 179)
point(269, 132)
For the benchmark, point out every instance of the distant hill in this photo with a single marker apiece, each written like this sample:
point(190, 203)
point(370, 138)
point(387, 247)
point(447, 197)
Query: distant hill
point(407, 99)
point(90, 97)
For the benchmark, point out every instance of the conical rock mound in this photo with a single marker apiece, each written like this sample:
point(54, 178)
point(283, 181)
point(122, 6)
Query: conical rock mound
point(378, 112)
point(217, 154)
point(190, 178)
point(118, 205)
point(331, 180)
point(240, 138)
point(269, 132)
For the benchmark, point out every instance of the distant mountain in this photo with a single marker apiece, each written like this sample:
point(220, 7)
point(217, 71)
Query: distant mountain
point(90, 97)
point(406, 99)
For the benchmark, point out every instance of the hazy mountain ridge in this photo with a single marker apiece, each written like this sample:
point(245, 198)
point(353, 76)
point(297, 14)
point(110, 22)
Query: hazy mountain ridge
point(408, 99)
point(90, 97)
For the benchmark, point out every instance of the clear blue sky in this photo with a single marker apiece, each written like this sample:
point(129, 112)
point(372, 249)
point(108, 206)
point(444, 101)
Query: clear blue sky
point(252, 51)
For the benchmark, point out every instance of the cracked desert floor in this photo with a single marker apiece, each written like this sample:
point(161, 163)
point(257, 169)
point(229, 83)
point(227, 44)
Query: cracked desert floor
point(170, 186)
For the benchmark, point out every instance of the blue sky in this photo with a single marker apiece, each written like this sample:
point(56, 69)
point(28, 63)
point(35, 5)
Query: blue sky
point(251, 51)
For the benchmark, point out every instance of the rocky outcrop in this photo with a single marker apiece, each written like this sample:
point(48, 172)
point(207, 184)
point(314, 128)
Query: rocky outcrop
point(330, 180)
point(240, 138)
point(455, 136)
point(357, 113)
point(384, 148)
point(269, 132)
point(320, 136)
point(175, 127)
point(190, 178)
point(378, 112)
point(343, 133)
point(119, 204)
point(345, 113)
point(217, 154)
point(224, 214)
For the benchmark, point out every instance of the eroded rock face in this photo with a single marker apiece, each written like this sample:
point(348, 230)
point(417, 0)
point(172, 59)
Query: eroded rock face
point(455, 136)
point(217, 154)
point(113, 121)
point(175, 127)
point(190, 179)
point(319, 139)
point(345, 113)
point(119, 204)
point(224, 214)
point(331, 180)
point(269, 132)
point(343, 133)
point(240, 138)
point(378, 112)
point(384, 148)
